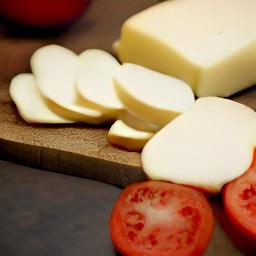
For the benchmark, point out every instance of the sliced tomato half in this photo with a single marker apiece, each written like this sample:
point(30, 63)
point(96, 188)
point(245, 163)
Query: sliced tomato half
point(161, 218)
point(239, 198)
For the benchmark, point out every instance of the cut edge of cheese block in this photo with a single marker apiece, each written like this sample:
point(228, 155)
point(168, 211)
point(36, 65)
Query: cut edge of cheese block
point(144, 41)
point(153, 96)
point(205, 147)
point(94, 81)
point(124, 137)
point(31, 105)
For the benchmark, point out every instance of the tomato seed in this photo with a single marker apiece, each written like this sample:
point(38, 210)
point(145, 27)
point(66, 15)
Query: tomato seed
point(196, 220)
point(153, 242)
point(139, 226)
point(186, 211)
point(189, 240)
point(135, 198)
point(145, 191)
point(248, 193)
point(251, 207)
point(132, 235)
point(163, 193)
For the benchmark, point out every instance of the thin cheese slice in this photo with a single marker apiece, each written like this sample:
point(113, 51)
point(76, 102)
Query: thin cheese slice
point(154, 97)
point(122, 136)
point(94, 81)
point(210, 44)
point(55, 68)
point(31, 105)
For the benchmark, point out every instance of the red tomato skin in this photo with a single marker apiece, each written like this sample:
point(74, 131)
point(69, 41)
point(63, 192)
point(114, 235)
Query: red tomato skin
point(239, 240)
point(125, 244)
point(238, 196)
point(43, 13)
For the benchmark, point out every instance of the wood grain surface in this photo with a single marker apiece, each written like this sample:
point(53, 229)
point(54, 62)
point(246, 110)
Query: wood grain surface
point(79, 149)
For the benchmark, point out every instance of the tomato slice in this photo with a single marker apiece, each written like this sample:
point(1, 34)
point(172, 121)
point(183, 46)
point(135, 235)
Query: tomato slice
point(161, 218)
point(239, 198)
point(239, 240)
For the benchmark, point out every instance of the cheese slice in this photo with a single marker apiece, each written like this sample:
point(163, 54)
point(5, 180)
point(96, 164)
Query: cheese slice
point(210, 44)
point(122, 136)
point(152, 96)
point(31, 105)
point(94, 81)
point(55, 68)
point(206, 147)
point(137, 122)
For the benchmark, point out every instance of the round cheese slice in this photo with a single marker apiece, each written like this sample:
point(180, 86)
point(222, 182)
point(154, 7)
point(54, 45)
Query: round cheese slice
point(94, 81)
point(31, 104)
point(54, 68)
point(155, 97)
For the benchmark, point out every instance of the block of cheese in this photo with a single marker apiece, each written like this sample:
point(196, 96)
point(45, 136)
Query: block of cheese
point(210, 44)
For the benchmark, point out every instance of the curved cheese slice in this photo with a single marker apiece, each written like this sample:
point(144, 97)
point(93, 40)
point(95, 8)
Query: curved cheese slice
point(122, 136)
point(94, 81)
point(210, 44)
point(206, 147)
point(32, 106)
point(154, 97)
point(54, 68)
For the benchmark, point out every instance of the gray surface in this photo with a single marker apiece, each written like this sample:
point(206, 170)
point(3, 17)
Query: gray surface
point(44, 213)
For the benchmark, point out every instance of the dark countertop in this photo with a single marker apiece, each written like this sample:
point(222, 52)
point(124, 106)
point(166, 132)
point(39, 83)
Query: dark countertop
point(46, 213)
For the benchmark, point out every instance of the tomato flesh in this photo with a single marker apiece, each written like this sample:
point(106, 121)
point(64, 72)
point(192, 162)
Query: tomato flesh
point(161, 218)
point(239, 197)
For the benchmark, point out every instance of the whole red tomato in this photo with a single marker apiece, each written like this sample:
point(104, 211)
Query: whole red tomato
point(43, 13)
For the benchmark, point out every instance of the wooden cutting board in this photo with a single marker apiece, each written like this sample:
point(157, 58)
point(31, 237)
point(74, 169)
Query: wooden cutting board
point(79, 149)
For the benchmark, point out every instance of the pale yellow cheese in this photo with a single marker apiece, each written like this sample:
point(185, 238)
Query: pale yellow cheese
point(134, 121)
point(94, 81)
point(152, 96)
point(32, 106)
point(125, 137)
point(55, 68)
point(210, 44)
point(206, 147)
